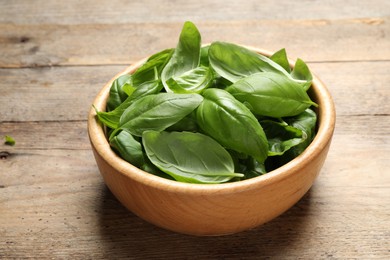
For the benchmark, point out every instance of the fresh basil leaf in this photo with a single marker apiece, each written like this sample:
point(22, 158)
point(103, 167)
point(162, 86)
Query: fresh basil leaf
point(281, 137)
point(117, 94)
point(204, 56)
point(231, 123)
point(111, 118)
point(306, 122)
point(189, 157)
point(188, 124)
point(9, 140)
point(151, 69)
point(128, 148)
point(128, 89)
point(253, 168)
point(247, 165)
point(302, 72)
point(234, 62)
point(280, 57)
point(147, 88)
point(271, 94)
point(192, 81)
point(158, 111)
point(149, 167)
point(186, 55)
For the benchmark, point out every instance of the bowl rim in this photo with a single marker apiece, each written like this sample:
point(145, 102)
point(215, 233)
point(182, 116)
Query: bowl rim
point(326, 118)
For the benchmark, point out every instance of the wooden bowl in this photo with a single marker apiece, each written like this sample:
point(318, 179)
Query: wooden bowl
point(212, 209)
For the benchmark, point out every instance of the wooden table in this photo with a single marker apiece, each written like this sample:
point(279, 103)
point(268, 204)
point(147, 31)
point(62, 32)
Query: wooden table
point(56, 55)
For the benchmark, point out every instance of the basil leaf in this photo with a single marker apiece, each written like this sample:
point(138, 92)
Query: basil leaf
point(111, 118)
point(271, 94)
point(281, 137)
point(247, 165)
point(9, 140)
point(117, 94)
point(204, 56)
point(193, 81)
point(188, 124)
point(254, 168)
point(147, 88)
point(151, 69)
point(128, 89)
point(186, 55)
point(128, 148)
point(149, 167)
point(158, 111)
point(301, 72)
point(306, 122)
point(231, 123)
point(189, 157)
point(280, 57)
point(234, 62)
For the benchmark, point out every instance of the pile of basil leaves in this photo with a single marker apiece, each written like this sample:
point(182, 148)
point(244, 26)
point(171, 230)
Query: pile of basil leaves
point(211, 114)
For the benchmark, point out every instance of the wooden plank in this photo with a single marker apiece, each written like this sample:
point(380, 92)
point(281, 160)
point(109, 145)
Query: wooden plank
point(348, 81)
point(31, 45)
point(61, 209)
point(43, 94)
point(122, 11)
point(100, 228)
point(45, 135)
point(66, 93)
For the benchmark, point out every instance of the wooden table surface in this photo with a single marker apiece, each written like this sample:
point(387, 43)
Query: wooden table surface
point(56, 55)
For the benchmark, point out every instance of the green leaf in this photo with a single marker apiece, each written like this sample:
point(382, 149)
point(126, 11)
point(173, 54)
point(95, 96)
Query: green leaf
point(247, 165)
point(9, 140)
point(186, 55)
point(281, 137)
point(271, 94)
point(149, 167)
point(128, 89)
point(158, 111)
point(254, 168)
point(231, 123)
point(280, 57)
point(234, 62)
point(111, 118)
point(117, 94)
point(147, 88)
point(306, 122)
point(189, 157)
point(192, 81)
point(188, 124)
point(302, 72)
point(128, 148)
point(204, 56)
point(151, 69)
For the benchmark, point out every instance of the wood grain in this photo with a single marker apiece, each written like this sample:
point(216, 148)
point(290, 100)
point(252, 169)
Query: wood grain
point(47, 94)
point(85, 220)
point(30, 45)
point(53, 203)
point(122, 11)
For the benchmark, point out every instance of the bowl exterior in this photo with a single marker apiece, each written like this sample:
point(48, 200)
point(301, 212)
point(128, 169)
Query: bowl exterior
point(216, 209)
point(210, 213)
